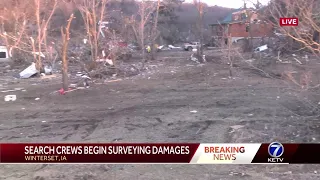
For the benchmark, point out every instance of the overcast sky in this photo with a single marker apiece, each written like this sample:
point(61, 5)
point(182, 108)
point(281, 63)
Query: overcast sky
point(229, 3)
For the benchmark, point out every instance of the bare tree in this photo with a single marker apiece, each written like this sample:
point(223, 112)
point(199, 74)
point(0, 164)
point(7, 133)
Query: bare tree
point(249, 13)
point(42, 25)
point(139, 24)
point(22, 15)
point(155, 32)
point(65, 38)
point(230, 55)
point(93, 13)
point(200, 9)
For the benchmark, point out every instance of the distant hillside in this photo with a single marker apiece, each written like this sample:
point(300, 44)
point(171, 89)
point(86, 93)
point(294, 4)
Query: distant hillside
point(182, 28)
point(187, 19)
point(188, 13)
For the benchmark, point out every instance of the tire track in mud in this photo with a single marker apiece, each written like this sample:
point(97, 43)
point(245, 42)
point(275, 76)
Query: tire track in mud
point(164, 116)
point(173, 103)
point(289, 129)
point(59, 130)
point(174, 130)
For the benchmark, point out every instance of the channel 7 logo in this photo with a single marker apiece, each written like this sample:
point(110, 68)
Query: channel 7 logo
point(275, 150)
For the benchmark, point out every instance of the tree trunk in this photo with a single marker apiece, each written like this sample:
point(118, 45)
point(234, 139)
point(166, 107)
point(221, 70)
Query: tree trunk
point(200, 30)
point(38, 60)
point(65, 83)
point(142, 23)
point(201, 36)
point(230, 55)
point(250, 40)
point(65, 39)
point(250, 36)
point(95, 34)
point(154, 32)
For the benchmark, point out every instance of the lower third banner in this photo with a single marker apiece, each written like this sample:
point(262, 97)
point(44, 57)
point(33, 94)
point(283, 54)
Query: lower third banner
point(165, 153)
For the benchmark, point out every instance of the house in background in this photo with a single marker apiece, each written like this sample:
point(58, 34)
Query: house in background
point(237, 26)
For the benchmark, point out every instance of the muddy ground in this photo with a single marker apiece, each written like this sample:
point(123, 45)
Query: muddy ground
point(155, 107)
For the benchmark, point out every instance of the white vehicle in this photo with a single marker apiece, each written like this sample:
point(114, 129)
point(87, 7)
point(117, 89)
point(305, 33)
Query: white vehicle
point(191, 46)
point(4, 54)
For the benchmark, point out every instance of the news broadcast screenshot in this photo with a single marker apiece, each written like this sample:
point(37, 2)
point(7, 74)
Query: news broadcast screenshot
point(159, 89)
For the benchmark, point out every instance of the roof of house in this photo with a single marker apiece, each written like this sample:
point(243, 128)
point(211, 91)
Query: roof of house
point(228, 19)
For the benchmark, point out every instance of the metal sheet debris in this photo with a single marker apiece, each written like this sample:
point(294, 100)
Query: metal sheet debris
point(173, 47)
point(29, 71)
point(261, 48)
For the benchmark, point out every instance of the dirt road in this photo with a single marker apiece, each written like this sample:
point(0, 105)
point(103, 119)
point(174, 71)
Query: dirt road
point(156, 108)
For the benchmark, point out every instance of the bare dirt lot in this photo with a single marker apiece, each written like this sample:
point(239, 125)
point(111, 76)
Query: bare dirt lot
point(156, 107)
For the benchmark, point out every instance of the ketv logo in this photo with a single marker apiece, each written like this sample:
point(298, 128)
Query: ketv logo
point(275, 150)
point(289, 22)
